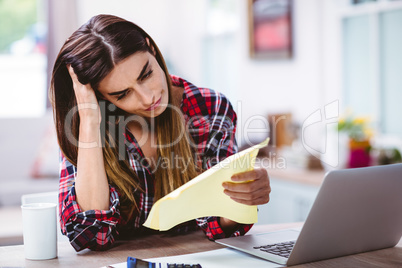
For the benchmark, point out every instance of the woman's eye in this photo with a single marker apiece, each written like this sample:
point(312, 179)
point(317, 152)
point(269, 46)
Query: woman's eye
point(148, 74)
point(122, 95)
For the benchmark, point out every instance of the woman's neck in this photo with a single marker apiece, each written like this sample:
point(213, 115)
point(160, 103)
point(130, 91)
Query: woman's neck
point(177, 95)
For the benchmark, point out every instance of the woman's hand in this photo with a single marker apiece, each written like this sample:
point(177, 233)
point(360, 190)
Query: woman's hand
point(254, 188)
point(88, 107)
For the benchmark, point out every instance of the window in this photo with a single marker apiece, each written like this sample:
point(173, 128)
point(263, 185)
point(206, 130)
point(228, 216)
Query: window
point(372, 63)
point(22, 58)
point(391, 69)
point(219, 46)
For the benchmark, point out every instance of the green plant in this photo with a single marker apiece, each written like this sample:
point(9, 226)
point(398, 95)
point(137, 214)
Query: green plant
point(357, 128)
point(16, 16)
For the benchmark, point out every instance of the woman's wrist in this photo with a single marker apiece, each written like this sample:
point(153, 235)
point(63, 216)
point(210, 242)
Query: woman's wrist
point(89, 134)
point(89, 124)
point(89, 118)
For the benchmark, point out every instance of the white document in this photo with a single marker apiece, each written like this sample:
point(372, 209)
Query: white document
point(218, 258)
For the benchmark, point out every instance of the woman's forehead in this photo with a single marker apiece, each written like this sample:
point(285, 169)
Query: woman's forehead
point(125, 72)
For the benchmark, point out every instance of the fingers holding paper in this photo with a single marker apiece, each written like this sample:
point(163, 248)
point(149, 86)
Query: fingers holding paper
point(254, 187)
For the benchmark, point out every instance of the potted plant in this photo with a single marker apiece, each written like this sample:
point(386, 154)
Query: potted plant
point(359, 134)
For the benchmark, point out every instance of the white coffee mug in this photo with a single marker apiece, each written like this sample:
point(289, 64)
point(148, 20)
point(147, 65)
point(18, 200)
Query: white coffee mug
point(40, 230)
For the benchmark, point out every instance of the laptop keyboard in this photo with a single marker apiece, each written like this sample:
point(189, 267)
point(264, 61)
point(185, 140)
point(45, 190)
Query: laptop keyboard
point(281, 249)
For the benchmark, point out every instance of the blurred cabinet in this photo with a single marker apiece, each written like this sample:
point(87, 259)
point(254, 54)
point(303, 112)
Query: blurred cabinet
point(289, 202)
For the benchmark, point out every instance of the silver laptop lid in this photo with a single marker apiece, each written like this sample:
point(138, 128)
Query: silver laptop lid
point(356, 210)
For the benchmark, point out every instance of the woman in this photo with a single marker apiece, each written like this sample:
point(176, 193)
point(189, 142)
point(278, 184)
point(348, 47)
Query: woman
point(130, 133)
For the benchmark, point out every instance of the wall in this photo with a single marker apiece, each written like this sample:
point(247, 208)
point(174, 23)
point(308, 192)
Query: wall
point(293, 85)
point(300, 85)
point(285, 84)
point(176, 26)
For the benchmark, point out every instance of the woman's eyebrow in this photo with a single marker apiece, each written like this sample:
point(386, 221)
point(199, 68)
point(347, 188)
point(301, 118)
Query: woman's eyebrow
point(138, 78)
point(118, 92)
point(143, 70)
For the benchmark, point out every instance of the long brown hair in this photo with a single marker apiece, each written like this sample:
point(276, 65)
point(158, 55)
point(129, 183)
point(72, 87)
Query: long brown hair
point(93, 51)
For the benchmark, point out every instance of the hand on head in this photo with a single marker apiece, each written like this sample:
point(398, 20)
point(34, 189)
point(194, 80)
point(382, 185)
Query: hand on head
point(88, 106)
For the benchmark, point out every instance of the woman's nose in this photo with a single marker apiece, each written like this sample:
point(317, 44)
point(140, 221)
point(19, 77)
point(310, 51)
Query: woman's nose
point(147, 96)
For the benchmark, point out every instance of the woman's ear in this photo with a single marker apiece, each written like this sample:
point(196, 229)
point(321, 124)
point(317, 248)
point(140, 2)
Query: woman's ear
point(151, 46)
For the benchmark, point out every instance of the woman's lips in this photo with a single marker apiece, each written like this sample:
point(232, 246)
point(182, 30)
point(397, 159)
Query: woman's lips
point(155, 105)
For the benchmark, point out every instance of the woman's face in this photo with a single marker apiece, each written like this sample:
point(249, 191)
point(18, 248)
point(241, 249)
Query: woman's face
point(137, 85)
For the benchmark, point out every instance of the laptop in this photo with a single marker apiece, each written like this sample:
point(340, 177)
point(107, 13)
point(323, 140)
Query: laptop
point(356, 210)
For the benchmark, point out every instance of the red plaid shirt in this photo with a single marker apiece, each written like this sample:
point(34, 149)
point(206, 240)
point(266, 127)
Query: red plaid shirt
point(211, 121)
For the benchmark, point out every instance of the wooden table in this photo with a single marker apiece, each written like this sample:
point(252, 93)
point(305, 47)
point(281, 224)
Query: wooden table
point(164, 245)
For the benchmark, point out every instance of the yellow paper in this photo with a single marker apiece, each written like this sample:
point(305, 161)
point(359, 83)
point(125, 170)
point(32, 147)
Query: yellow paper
point(203, 196)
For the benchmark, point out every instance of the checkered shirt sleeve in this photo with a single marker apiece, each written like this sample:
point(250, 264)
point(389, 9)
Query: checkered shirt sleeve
point(94, 229)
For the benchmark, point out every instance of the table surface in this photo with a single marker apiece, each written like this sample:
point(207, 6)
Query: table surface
point(161, 245)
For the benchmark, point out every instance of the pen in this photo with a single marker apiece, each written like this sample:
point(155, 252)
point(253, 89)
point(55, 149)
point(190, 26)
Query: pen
point(138, 263)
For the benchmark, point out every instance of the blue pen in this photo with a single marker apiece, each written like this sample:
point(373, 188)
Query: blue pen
point(137, 263)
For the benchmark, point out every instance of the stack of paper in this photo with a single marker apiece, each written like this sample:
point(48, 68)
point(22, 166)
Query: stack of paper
point(203, 196)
